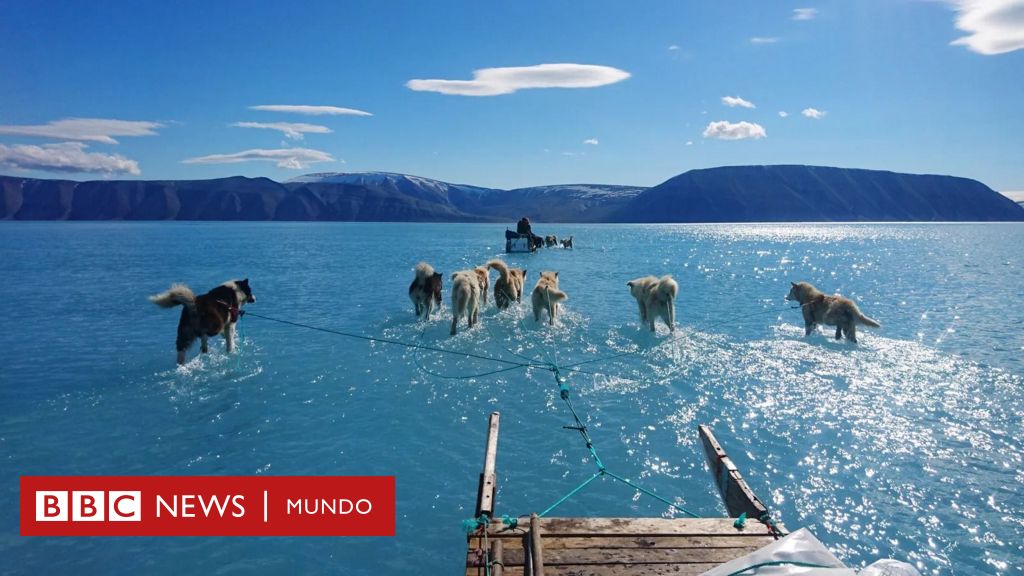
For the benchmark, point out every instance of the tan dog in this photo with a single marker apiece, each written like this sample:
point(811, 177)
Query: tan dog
point(836, 311)
point(656, 299)
point(465, 298)
point(483, 276)
point(509, 286)
point(546, 296)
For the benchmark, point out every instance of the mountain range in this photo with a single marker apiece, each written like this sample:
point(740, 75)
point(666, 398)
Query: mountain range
point(780, 193)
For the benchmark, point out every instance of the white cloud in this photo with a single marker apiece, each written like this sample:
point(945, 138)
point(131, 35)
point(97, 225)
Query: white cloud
point(65, 157)
point(497, 81)
point(993, 26)
point(294, 158)
point(783, 114)
point(764, 40)
point(289, 129)
point(689, 142)
point(1015, 195)
point(734, 101)
point(85, 129)
point(673, 47)
point(310, 110)
point(724, 130)
point(813, 113)
point(805, 13)
point(591, 141)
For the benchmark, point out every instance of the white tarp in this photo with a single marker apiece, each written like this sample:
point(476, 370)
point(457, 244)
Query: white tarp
point(800, 546)
point(784, 558)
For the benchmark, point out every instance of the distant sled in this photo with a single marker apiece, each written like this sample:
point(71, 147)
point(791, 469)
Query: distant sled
point(515, 243)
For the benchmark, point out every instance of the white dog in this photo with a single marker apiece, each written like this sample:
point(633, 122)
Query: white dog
point(546, 296)
point(465, 298)
point(656, 299)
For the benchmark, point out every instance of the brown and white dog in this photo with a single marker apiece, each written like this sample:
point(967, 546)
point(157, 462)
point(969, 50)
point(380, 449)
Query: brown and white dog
point(837, 311)
point(550, 241)
point(508, 288)
point(210, 314)
point(465, 298)
point(546, 296)
point(425, 290)
point(655, 297)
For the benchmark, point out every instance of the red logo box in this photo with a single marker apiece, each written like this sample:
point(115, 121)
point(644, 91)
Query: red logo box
point(207, 506)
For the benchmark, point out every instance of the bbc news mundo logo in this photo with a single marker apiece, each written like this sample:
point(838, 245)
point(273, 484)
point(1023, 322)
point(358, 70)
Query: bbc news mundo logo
point(207, 506)
point(88, 506)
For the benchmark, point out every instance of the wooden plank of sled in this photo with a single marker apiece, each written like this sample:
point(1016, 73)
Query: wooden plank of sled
point(498, 558)
point(513, 542)
point(616, 570)
point(619, 556)
point(639, 527)
point(536, 565)
point(488, 479)
point(736, 494)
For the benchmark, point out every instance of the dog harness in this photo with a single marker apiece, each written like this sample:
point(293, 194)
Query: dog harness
point(233, 311)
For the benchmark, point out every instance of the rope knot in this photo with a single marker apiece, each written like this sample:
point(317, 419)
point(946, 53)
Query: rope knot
point(510, 521)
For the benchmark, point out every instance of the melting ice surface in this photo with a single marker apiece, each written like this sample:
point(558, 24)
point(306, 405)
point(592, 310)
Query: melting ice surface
point(907, 445)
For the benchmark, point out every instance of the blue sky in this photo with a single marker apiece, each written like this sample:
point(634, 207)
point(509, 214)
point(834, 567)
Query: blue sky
point(659, 88)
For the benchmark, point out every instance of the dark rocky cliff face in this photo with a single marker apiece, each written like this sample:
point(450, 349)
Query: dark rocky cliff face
point(728, 194)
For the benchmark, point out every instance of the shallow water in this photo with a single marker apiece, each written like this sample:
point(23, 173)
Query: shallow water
point(907, 445)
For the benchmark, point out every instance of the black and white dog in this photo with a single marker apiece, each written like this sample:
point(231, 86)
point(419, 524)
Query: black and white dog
point(206, 315)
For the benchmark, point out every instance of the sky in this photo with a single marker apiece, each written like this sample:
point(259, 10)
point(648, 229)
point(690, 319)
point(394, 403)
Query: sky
point(509, 94)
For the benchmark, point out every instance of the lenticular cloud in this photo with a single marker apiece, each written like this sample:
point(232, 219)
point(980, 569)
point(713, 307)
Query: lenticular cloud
point(497, 81)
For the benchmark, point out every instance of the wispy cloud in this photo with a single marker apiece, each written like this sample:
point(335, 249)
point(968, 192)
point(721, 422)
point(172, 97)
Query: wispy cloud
point(1015, 195)
point(805, 13)
point(734, 101)
point(291, 130)
point(497, 81)
point(65, 157)
point(310, 110)
point(813, 113)
point(294, 158)
point(723, 130)
point(591, 141)
point(689, 142)
point(764, 39)
point(673, 47)
point(783, 113)
point(993, 26)
point(84, 129)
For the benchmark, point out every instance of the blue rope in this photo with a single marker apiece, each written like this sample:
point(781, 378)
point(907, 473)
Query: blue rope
point(388, 341)
point(564, 394)
point(571, 493)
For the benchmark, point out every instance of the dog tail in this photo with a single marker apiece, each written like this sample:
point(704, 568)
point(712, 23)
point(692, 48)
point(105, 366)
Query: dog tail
point(555, 296)
point(177, 295)
point(867, 321)
point(424, 271)
point(500, 266)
